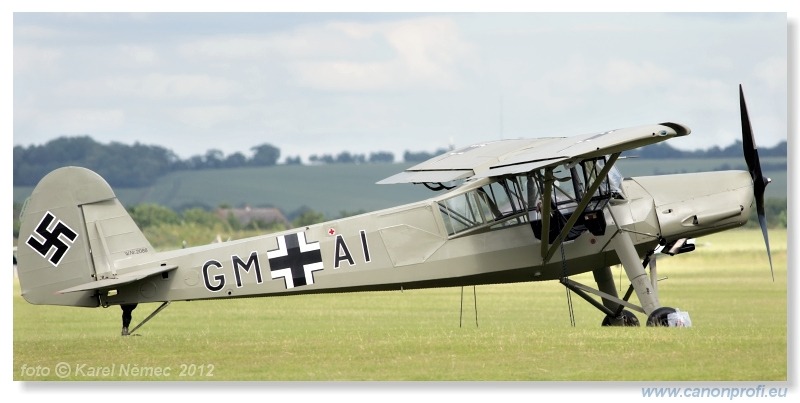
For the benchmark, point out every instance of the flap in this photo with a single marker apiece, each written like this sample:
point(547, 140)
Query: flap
point(426, 176)
point(520, 168)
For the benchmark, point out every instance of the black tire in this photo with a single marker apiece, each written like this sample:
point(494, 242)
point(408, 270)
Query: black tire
point(627, 318)
point(659, 316)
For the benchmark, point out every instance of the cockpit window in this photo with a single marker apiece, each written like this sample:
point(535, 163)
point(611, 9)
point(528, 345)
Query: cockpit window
point(497, 201)
point(514, 200)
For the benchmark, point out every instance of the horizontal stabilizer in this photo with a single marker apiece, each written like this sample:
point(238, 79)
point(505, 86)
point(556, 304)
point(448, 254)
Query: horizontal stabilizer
point(120, 280)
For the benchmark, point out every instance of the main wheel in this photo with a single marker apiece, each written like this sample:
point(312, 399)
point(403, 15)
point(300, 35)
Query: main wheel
point(627, 318)
point(659, 316)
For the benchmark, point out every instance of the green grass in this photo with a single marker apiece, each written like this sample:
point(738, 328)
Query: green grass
point(739, 331)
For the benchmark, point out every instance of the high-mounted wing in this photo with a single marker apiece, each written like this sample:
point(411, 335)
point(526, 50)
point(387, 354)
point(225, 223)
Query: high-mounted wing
point(503, 157)
point(465, 162)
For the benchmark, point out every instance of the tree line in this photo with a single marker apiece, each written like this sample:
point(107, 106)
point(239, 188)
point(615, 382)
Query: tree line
point(664, 150)
point(140, 165)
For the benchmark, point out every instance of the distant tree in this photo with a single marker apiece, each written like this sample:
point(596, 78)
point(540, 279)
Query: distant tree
point(664, 150)
point(345, 157)
point(308, 217)
point(421, 156)
point(305, 216)
point(151, 215)
point(233, 222)
point(347, 213)
point(196, 162)
point(235, 160)
point(17, 211)
point(293, 161)
point(214, 158)
point(381, 157)
point(120, 164)
point(201, 217)
point(321, 159)
point(265, 155)
point(780, 150)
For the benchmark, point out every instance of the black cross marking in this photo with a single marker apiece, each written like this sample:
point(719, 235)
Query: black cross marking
point(56, 237)
point(295, 260)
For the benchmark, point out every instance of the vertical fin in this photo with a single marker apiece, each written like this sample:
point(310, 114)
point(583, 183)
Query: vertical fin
point(72, 231)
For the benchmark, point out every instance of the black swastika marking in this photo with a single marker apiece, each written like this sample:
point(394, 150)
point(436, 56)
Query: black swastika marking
point(60, 237)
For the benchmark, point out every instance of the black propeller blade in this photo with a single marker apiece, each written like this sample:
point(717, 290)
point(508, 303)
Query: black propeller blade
point(754, 166)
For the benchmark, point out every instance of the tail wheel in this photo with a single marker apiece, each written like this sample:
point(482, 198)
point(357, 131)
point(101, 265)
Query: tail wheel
point(659, 317)
point(627, 318)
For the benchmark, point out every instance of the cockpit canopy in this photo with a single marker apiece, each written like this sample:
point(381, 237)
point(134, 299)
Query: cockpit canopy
point(517, 199)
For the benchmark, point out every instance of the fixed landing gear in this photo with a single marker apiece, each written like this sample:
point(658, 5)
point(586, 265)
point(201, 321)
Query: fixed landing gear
point(626, 318)
point(659, 317)
point(612, 305)
point(127, 311)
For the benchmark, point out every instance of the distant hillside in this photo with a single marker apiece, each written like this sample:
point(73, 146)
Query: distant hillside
point(141, 165)
point(332, 189)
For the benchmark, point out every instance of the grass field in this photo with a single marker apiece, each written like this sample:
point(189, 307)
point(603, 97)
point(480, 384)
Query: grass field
point(523, 332)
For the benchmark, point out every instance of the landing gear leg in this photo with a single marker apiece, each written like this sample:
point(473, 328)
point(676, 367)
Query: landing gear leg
point(605, 283)
point(645, 288)
point(647, 294)
point(127, 311)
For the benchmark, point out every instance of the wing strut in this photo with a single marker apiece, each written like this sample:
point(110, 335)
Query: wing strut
point(547, 249)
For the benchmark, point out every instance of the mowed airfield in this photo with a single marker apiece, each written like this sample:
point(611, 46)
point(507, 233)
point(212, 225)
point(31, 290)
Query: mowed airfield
point(508, 332)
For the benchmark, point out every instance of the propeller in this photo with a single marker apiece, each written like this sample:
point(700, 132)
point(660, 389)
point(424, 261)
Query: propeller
point(760, 182)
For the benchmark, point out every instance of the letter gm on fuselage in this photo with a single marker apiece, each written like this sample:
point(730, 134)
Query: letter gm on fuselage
point(294, 261)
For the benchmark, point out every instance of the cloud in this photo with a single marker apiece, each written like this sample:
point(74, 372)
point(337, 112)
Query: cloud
point(772, 72)
point(74, 120)
point(30, 60)
point(423, 52)
point(206, 117)
point(619, 76)
point(153, 86)
point(404, 80)
point(139, 55)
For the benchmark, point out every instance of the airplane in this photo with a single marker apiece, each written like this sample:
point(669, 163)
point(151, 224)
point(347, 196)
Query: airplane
point(503, 211)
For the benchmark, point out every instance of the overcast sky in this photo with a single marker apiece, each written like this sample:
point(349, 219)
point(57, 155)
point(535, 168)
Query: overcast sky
point(314, 83)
